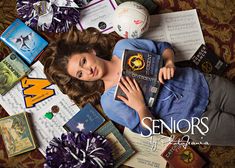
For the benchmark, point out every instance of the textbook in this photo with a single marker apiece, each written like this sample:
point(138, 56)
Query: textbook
point(144, 68)
point(23, 40)
point(86, 120)
point(17, 134)
point(206, 61)
point(12, 69)
point(121, 148)
point(181, 156)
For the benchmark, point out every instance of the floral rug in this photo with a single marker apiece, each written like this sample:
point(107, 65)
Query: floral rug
point(217, 20)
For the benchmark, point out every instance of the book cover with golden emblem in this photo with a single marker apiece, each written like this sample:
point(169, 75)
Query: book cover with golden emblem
point(181, 156)
point(144, 68)
point(17, 134)
point(206, 61)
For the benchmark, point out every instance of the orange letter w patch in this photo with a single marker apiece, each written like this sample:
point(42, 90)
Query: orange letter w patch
point(35, 91)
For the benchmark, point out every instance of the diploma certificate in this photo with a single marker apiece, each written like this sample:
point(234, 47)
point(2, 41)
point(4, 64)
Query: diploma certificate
point(98, 14)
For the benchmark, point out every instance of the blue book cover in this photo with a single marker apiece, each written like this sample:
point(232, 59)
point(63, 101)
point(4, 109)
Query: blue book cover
point(23, 40)
point(86, 120)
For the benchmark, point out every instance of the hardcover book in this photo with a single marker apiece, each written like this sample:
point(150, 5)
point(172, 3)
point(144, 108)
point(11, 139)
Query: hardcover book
point(121, 148)
point(17, 134)
point(181, 156)
point(206, 61)
point(49, 108)
point(86, 120)
point(144, 68)
point(12, 69)
point(23, 40)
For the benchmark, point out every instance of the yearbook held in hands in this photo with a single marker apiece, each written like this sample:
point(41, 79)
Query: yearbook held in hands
point(144, 68)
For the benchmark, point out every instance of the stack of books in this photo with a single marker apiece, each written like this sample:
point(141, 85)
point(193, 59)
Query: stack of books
point(26, 45)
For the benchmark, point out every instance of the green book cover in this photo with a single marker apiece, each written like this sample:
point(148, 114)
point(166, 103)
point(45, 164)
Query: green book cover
point(12, 69)
point(16, 134)
point(121, 148)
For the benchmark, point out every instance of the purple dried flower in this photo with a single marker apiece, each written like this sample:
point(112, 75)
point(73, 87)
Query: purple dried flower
point(79, 150)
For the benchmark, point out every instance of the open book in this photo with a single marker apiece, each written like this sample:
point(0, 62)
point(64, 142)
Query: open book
point(144, 68)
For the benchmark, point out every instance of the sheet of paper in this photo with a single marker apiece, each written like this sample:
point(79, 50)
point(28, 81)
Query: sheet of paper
point(181, 29)
point(148, 150)
point(98, 14)
point(38, 93)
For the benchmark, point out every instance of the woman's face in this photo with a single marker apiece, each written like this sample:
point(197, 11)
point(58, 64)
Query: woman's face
point(86, 66)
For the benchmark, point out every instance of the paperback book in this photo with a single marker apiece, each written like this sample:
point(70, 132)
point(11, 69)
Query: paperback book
point(144, 68)
point(206, 61)
point(86, 120)
point(23, 40)
point(17, 134)
point(179, 155)
point(121, 148)
point(12, 69)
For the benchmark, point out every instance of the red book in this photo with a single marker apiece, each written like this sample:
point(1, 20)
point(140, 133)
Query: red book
point(179, 156)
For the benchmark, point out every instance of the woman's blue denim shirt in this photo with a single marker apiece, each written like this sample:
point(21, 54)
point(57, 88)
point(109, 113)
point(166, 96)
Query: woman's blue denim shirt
point(183, 97)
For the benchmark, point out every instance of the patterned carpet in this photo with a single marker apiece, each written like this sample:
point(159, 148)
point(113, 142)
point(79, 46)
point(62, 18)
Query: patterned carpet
point(217, 20)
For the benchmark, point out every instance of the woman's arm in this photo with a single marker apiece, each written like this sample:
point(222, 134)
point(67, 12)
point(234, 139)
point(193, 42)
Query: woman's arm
point(167, 72)
point(135, 99)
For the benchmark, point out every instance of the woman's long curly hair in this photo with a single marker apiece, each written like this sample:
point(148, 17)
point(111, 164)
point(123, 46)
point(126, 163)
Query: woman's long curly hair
point(58, 54)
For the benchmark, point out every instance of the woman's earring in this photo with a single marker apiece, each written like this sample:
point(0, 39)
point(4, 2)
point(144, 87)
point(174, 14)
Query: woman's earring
point(93, 51)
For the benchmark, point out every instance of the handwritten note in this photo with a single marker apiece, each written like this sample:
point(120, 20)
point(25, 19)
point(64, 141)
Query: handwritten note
point(181, 29)
point(148, 150)
point(45, 129)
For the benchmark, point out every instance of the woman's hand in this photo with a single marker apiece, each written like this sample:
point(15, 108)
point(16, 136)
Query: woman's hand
point(167, 72)
point(133, 92)
point(135, 99)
